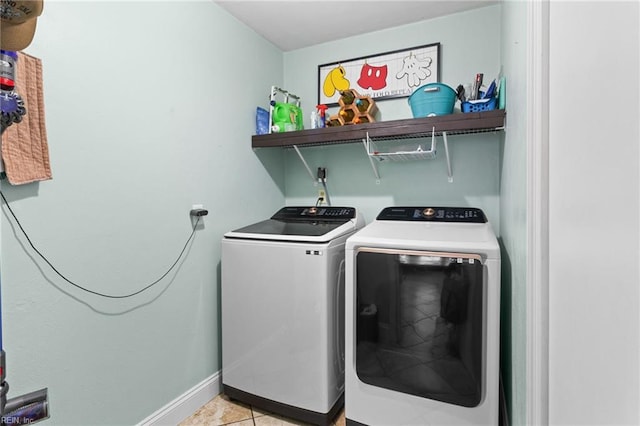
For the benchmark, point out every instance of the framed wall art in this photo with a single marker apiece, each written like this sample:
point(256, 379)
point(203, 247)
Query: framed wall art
point(383, 76)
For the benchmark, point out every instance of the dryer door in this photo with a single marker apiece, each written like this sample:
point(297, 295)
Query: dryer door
point(420, 323)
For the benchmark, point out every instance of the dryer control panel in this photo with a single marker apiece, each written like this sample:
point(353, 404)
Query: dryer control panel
point(433, 214)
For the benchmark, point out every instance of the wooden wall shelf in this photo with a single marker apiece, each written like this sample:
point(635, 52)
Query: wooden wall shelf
point(452, 124)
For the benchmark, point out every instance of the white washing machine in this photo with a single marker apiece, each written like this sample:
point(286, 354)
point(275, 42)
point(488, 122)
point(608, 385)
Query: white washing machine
point(283, 312)
point(422, 319)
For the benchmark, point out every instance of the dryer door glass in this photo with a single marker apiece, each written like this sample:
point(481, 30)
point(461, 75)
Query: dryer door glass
point(419, 325)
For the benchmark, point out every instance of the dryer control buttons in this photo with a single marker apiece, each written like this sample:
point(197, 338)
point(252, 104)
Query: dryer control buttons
point(433, 214)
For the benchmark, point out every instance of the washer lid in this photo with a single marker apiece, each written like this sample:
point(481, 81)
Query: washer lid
point(309, 224)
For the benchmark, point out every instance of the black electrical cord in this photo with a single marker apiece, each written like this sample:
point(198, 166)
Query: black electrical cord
point(109, 296)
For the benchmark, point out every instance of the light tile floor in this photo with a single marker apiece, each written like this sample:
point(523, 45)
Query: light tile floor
point(223, 411)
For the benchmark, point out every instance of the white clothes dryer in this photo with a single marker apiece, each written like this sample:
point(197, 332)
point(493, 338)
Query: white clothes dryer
point(283, 312)
point(422, 319)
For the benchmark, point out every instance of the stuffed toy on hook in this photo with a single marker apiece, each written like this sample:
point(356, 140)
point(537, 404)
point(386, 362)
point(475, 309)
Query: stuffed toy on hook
point(18, 19)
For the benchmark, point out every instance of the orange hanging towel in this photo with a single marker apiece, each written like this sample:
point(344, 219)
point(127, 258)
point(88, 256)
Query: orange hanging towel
point(25, 152)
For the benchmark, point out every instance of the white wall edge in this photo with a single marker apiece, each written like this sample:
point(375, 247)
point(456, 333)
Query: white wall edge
point(186, 404)
point(537, 281)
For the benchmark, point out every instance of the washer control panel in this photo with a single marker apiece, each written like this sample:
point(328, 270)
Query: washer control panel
point(433, 214)
point(315, 213)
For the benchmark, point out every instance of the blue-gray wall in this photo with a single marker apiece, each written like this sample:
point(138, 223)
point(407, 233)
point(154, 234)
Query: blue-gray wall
point(474, 158)
point(513, 210)
point(150, 109)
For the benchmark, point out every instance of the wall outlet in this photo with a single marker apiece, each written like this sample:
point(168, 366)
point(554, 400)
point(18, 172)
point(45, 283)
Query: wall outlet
point(198, 211)
point(323, 195)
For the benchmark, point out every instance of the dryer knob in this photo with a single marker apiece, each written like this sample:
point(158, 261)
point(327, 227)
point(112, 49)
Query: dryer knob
point(313, 210)
point(428, 212)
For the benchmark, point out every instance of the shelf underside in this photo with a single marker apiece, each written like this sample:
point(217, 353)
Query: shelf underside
point(453, 124)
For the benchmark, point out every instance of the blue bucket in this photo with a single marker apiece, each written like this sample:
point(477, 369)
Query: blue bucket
point(432, 99)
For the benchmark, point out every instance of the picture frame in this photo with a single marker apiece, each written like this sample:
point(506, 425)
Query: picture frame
point(388, 75)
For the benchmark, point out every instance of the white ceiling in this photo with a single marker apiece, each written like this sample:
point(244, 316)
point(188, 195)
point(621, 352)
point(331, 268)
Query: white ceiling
point(291, 25)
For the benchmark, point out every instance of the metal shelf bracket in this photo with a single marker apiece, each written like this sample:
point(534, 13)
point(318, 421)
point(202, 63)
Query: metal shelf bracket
point(446, 152)
point(367, 142)
point(306, 165)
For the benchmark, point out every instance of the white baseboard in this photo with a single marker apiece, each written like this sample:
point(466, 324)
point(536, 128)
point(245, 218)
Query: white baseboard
point(186, 404)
